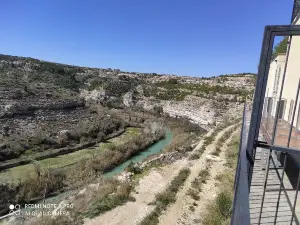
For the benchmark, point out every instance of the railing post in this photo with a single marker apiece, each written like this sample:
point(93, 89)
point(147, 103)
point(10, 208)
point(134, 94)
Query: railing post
point(240, 211)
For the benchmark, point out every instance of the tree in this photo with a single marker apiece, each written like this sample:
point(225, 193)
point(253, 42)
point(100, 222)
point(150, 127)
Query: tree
point(280, 48)
point(173, 81)
point(158, 110)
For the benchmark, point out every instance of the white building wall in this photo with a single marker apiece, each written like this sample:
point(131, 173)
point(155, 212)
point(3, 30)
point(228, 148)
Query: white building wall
point(293, 74)
point(292, 78)
point(275, 80)
point(271, 79)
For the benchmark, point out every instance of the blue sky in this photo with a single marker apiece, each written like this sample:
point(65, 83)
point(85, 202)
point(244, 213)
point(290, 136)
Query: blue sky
point(183, 37)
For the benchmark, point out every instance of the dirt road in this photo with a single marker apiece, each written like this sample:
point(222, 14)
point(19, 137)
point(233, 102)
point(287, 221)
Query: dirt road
point(155, 182)
point(133, 212)
point(179, 212)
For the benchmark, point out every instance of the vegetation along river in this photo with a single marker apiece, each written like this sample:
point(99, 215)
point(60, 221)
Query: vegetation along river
point(153, 149)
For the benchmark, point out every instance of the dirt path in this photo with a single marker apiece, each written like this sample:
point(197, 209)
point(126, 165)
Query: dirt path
point(133, 212)
point(155, 182)
point(210, 189)
point(179, 212)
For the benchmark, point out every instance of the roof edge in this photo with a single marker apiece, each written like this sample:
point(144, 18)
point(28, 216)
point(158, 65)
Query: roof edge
point(296, 11)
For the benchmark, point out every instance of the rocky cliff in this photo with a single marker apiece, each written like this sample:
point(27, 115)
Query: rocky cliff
point(44, 97)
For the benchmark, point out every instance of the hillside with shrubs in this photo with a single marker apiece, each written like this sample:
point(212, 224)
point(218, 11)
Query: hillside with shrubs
point(62, 126)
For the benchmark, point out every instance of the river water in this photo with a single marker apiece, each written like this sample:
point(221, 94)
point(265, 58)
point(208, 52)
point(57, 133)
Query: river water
point(153, 149)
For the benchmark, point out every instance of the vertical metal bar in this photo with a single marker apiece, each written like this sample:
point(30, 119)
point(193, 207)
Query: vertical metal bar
point(267, 118)
point(240, 146)
point(241, 212)
point(265, 186)
point(259, 95)
point(295, 201)
point(281, 184)
point(294, 112)
point(237, 172)
point(260, 87)
point(285, 154)
point(274, 132)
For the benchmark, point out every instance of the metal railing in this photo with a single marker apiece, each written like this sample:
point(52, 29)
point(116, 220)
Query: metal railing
point(266, 188)
point(241, 212)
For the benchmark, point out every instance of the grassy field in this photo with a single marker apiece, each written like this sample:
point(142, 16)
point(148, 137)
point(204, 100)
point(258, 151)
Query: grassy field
point(26, 171)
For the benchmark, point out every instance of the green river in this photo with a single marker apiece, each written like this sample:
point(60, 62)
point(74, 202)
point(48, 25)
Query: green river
point(153, 149)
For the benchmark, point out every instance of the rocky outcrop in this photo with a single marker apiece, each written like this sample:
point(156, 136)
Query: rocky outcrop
point(127, 99)
point(197, 110)
point(163, 158)
point(204, 112)
point(12, 110)
point(125, 176)
point(96, 95)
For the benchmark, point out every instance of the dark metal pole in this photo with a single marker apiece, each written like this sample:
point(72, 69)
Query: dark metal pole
point(294, 112)
point(260, 87)
point(281, 184)
point(265, 185)
point(295, 201)
point(240, 146)
point(238, 168)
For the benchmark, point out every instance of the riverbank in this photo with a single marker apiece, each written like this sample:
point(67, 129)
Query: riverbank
point(19, 173)
point(54, 152)
point(114, 146)
point(89, 194)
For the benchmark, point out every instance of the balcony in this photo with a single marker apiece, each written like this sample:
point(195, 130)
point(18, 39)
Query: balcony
point(267, 180)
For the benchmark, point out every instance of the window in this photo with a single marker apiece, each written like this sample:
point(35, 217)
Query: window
point(281, 108)
point(276, 81)
point(270, 103)
point(278, 78)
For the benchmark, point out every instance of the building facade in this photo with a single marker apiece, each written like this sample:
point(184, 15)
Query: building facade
point(288, 64)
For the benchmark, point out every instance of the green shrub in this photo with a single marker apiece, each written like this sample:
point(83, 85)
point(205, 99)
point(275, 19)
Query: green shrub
point(192, 208)
point(119, 87)
point(61, 220)
point(194, 156)
point(217, 151)
point(194, 194)
point(178, 91)
point(47, 182)
point(165, 198)
point(204, 174)
point(223, 139)
point(152, 218)
point(178, 181)
point(133, 169)
point(232, 153)
point(109, 201)
point(197, 221)
point(224, 202)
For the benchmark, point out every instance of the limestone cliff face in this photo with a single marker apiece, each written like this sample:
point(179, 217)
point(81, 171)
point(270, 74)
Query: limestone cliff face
point(127, 99)
point(201, 111)
point(96, 96)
